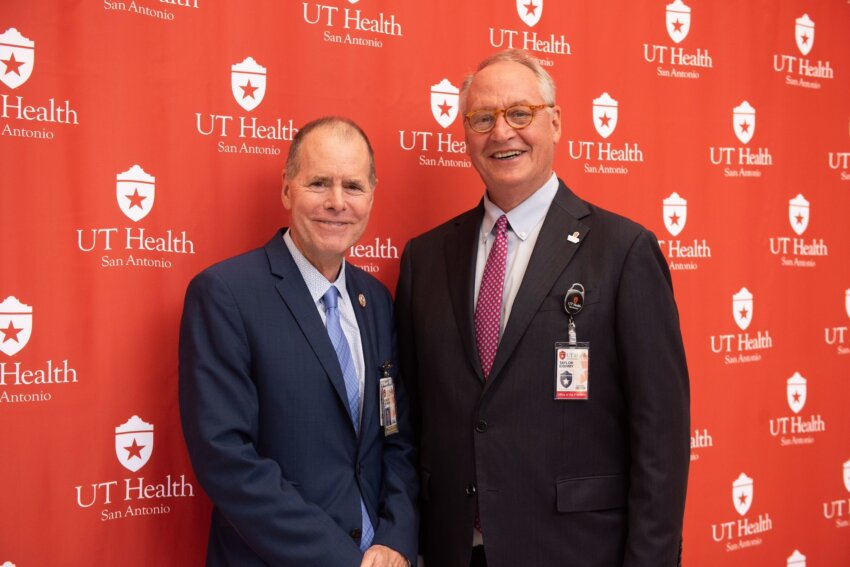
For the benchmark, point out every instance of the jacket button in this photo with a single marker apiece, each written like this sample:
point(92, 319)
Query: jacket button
point(357, 469)
point(355, 533)
point(481, 426)
point(470, 489)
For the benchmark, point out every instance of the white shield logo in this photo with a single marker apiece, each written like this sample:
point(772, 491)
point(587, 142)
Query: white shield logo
point(444, 102)
point(17, 57)
point(796, 559)
point(605, 115)
point(847, 302)
point(134, 443)
point(248, 83)
point(353, 1)
point(529, 11)
point(796, 392)
point(798, 214)
point(675, 213)
point(742, 308)
point(742, 493)
point(744, 122)
point(15, 325)
point(804, 33)
point(678, 20)
point(135, 191)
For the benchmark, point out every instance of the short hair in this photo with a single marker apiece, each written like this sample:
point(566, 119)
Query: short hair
point(341, 126)
point(544, 81)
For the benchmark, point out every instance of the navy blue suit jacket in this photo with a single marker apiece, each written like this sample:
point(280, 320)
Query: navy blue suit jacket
point(264, 413)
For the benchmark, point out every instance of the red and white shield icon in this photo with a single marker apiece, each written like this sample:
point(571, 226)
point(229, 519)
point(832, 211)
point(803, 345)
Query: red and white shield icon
point(15, 325)
point(134, 443)
point(604, 115)
point(248, 83)
point(135, 190)
point(742, 308)
point(796, 559)
point(796, 392)
point(444, 102)
point(798, 214)
point(678, 20)
point(744, 121)
point(529, 11)
point(675, 213)
point(742, 493)
point(17, 57)
point(847, 302)
point(804, 34)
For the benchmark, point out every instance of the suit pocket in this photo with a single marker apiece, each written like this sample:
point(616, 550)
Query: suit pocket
point(591, 493)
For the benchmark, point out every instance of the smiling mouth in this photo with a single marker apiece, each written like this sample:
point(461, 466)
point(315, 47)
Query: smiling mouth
point(510, 154)
point(332, 224)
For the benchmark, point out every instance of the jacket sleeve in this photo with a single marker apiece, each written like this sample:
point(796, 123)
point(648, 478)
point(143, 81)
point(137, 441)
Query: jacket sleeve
point(655, 374)
point(219, 413)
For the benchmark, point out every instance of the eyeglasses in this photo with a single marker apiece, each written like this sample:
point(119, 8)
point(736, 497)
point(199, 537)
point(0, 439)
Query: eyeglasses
point(517, 116)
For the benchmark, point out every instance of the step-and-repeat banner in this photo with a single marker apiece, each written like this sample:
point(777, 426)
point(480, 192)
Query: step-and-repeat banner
point(141, 141)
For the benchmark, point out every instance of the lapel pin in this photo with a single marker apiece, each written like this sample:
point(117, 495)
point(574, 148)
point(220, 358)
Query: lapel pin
point(362, 299)
point(573, 237)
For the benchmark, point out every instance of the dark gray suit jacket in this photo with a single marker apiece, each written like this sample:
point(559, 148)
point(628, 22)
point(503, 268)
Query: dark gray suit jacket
point(599, 482)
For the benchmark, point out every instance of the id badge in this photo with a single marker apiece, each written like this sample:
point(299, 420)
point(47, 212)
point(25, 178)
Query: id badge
point(389, 418)
point(572, 371)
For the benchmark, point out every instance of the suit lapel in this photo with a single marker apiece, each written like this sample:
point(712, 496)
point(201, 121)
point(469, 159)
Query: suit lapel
point(295, 294)
point(461, 248)
point(369, 342)
point(552, 252)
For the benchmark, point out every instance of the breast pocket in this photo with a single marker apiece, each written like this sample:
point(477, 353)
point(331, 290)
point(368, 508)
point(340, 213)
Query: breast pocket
point(591, 493)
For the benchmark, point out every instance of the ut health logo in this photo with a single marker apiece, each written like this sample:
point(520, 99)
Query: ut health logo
point(796, 559)
point(678, 17)
point(15, 325)
point(134, 443)
point(742, 308)
point(135, 190)
point(742, 494)
point(744, 122)
point(798, 214)
point(17, 54)
point(248, 83)
point(675, 211)
point(605, 115)
point(445, 98)
point(796, 392)
point(529, 11)
point(804, 34)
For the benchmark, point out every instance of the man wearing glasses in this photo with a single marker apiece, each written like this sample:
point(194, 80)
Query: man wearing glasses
point(540, 343)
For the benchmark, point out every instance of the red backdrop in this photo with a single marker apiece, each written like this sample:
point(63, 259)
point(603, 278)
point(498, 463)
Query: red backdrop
point(141, 141)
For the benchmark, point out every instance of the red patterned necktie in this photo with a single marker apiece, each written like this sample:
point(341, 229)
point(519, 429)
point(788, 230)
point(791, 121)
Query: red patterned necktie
point(489, 308)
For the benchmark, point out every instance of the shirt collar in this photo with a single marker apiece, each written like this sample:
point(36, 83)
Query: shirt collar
point(525, 216)
point(317, 284)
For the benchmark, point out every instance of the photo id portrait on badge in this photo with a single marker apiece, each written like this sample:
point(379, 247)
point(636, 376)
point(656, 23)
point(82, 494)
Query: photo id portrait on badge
point(386, 398)
point(572, 358)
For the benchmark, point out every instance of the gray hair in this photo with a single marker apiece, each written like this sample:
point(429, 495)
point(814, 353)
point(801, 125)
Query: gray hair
point(544, 81)
point(340, 125)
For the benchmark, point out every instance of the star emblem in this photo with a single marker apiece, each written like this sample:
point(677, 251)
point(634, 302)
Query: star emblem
point(743, 498)
point(604, 119)
point(12, 65)
point(744, 313)
point(136, 199)
point(674, 219)
point(11, 333)
point(677, 25)
point(796, 397)
point(805, 39)
point(530, 8)
point(444, 108)
point(134, 450)
point(745, 127)
point(800, 218)
point(248, 90)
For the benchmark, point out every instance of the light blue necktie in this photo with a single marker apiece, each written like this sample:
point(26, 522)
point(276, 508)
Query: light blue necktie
point(352, 388)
